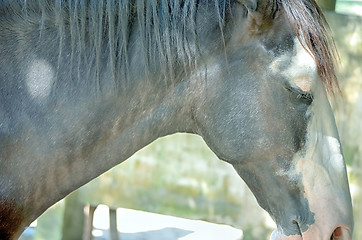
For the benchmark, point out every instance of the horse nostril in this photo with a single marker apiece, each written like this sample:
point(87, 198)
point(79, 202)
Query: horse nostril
point(337, 233)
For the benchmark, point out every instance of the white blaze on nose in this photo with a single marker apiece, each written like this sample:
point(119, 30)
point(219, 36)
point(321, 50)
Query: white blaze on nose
point(39, 79)
point(323, 172)
point(298, 67)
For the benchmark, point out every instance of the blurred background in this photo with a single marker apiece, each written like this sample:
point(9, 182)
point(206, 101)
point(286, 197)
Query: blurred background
point(179, 176)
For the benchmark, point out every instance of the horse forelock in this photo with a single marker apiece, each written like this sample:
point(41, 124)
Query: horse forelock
point(312, 30)
point(313, 33)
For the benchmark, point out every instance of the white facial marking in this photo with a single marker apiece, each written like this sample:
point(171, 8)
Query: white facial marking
point(323, 171)
point(334, 148)
point(299, 66)
point(39, 79)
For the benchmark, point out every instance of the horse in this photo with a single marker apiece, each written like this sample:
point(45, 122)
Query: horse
point(84, 84)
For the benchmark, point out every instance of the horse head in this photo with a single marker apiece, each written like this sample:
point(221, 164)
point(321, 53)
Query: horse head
point(267, 113)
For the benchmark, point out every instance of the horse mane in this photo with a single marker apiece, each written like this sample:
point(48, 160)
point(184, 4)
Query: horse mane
point(312, 30)
point(167, 30)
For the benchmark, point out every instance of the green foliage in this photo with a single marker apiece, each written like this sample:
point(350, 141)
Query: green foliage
point(350, 7)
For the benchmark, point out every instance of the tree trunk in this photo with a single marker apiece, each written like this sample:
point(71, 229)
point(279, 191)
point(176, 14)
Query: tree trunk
point(73, 219)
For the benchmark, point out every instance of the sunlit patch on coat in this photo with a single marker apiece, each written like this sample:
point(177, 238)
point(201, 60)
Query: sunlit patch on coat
point(39, 79)
point(334, 148)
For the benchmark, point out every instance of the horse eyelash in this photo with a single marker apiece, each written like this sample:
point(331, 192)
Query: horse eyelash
point(300, 93)
point(307, 95)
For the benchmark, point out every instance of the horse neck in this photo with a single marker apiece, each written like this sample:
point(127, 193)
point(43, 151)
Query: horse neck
point(84, 124)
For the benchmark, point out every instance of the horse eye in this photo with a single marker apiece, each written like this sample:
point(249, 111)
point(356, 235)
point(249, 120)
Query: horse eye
point(299, 93)
point(306, 95)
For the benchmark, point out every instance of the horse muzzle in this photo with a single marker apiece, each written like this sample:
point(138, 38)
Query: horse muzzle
point(315, 233)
